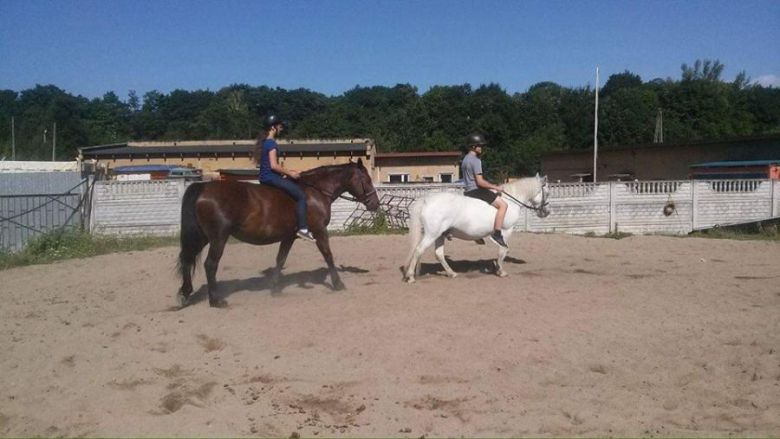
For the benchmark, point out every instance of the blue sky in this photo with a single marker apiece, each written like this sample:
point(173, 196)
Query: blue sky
point(90, 47)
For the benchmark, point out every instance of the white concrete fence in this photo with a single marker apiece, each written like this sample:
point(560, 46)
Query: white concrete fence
point(638, 207)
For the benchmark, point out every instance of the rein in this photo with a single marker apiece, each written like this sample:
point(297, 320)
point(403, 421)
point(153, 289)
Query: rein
point(333, 196)
point(536, 208)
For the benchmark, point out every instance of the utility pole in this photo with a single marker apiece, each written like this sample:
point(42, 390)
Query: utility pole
point(596, 128)
point(13, 140)
point(659, 127)
point(54, 141)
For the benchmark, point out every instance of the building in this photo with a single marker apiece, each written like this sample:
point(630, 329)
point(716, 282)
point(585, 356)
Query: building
point(738, 169)
point(656, 161)
point(212, 155)
point(416, 167)
point(233, 159)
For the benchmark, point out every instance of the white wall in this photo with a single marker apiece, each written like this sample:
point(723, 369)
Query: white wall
point(153, 207)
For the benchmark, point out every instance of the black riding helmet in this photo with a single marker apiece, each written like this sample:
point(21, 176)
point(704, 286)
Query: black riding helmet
point(475, 139)
point(271, 120)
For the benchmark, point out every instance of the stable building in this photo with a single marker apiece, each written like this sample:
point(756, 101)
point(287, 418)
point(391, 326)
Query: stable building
point(657, 161)
point(211, 156)
point(416, 167)
point(232, 159)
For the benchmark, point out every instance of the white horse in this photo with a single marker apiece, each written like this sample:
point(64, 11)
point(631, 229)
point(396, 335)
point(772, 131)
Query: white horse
point(435, 216)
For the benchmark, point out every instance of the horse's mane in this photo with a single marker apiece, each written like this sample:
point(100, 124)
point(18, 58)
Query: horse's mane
point(323, 170)
point(527, 185)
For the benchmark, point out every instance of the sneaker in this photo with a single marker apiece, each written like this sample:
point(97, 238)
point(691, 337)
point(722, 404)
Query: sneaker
point(498, 239)
point(306, 235)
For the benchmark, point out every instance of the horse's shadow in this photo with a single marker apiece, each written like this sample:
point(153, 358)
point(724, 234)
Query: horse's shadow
point(487, 266)
point(303, 279)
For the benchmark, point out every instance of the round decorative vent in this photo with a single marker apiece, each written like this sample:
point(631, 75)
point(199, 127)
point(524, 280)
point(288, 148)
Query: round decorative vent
point(669, 208)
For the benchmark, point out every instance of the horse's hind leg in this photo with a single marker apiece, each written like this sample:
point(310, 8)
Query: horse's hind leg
point(440, 256)
point(323, 245)
point(414, 263)
point(212, 263)
point(281, 258)
point(187, 260)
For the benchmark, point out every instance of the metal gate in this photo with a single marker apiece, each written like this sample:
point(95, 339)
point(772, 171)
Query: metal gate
point(34, 203)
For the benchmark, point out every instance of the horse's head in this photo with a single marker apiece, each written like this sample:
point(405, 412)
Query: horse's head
point(361, 187)
point(541, 200)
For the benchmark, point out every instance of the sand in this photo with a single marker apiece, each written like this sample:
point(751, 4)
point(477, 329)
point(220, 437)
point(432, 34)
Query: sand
point(644, 336)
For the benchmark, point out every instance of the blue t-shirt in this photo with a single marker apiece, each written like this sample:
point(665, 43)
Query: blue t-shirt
point(266, 173)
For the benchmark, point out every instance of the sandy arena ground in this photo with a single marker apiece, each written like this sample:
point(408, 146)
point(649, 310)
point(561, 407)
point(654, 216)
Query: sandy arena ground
point(644, 336)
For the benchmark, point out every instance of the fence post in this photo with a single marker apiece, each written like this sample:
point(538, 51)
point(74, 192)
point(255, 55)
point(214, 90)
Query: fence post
point(773, 208)
point(612, 206)
point(694, 203)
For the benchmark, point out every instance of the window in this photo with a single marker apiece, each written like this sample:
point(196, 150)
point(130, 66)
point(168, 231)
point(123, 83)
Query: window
point(445, 178)
point(427, 179)
point(398, 178)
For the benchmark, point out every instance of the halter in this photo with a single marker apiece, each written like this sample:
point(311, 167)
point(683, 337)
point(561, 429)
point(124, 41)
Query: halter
point(541, 206)
point(362, 199)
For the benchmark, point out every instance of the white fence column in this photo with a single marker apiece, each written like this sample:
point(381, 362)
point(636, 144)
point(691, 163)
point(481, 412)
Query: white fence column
point(694, 204)
point(612, 207)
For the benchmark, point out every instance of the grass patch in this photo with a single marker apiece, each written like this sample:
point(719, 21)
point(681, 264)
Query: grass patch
point(760, 230)
point(737, 234)
point(58, 245)
point(610, 235)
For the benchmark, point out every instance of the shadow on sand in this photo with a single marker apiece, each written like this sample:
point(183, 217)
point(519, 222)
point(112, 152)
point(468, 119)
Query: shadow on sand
point(486, 266)
point(303, 279)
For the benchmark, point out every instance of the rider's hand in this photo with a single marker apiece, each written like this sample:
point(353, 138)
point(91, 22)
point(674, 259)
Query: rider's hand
point(500, 188)
point(294, 174)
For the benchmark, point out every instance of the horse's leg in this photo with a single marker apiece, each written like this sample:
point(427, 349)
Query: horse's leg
point(440, 256)
point(212, 263)
point(324, 245)
point(187, 262)
point(414, 265)
point(502, 251)
point(281, 258)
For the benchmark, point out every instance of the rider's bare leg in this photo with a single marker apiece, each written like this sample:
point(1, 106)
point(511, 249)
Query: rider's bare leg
point(501, 206)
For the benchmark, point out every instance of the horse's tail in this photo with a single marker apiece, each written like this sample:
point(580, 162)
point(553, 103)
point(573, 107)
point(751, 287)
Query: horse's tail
point(415, 228)
point(192, 237)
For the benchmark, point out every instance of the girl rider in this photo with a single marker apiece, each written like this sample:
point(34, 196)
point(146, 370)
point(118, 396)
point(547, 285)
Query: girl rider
point(272, 174)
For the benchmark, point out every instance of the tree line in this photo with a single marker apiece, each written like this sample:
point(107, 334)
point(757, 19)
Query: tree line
point(519, 126)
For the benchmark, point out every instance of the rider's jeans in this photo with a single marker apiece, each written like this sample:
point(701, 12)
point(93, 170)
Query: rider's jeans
point(296, 193)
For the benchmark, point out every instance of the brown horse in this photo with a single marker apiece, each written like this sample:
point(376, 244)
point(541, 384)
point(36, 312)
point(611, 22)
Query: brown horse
point(261, 215)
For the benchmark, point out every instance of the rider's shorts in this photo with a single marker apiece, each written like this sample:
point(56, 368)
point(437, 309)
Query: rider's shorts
point(483, 194)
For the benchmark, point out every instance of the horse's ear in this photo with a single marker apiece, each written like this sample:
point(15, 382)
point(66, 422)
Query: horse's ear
point(537, 175)
point(544, 179)
point(360, 163)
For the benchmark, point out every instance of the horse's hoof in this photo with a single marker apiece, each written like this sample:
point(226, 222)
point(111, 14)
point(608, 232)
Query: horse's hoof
point(339, 286)
point(218, 303)
point(452, 275)
point(410, 280)
point(502, 274)
point(182, 300)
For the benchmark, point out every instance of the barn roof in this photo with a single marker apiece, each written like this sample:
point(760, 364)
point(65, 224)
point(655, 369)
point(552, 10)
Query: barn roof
point(219, 148)
point(736, 163)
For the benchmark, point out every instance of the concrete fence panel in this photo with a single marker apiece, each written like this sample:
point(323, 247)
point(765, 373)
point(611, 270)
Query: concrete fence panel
point(639, 207)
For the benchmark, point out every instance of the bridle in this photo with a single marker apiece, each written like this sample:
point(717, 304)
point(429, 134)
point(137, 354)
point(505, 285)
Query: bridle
point(538, 208)
point(361, 199)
